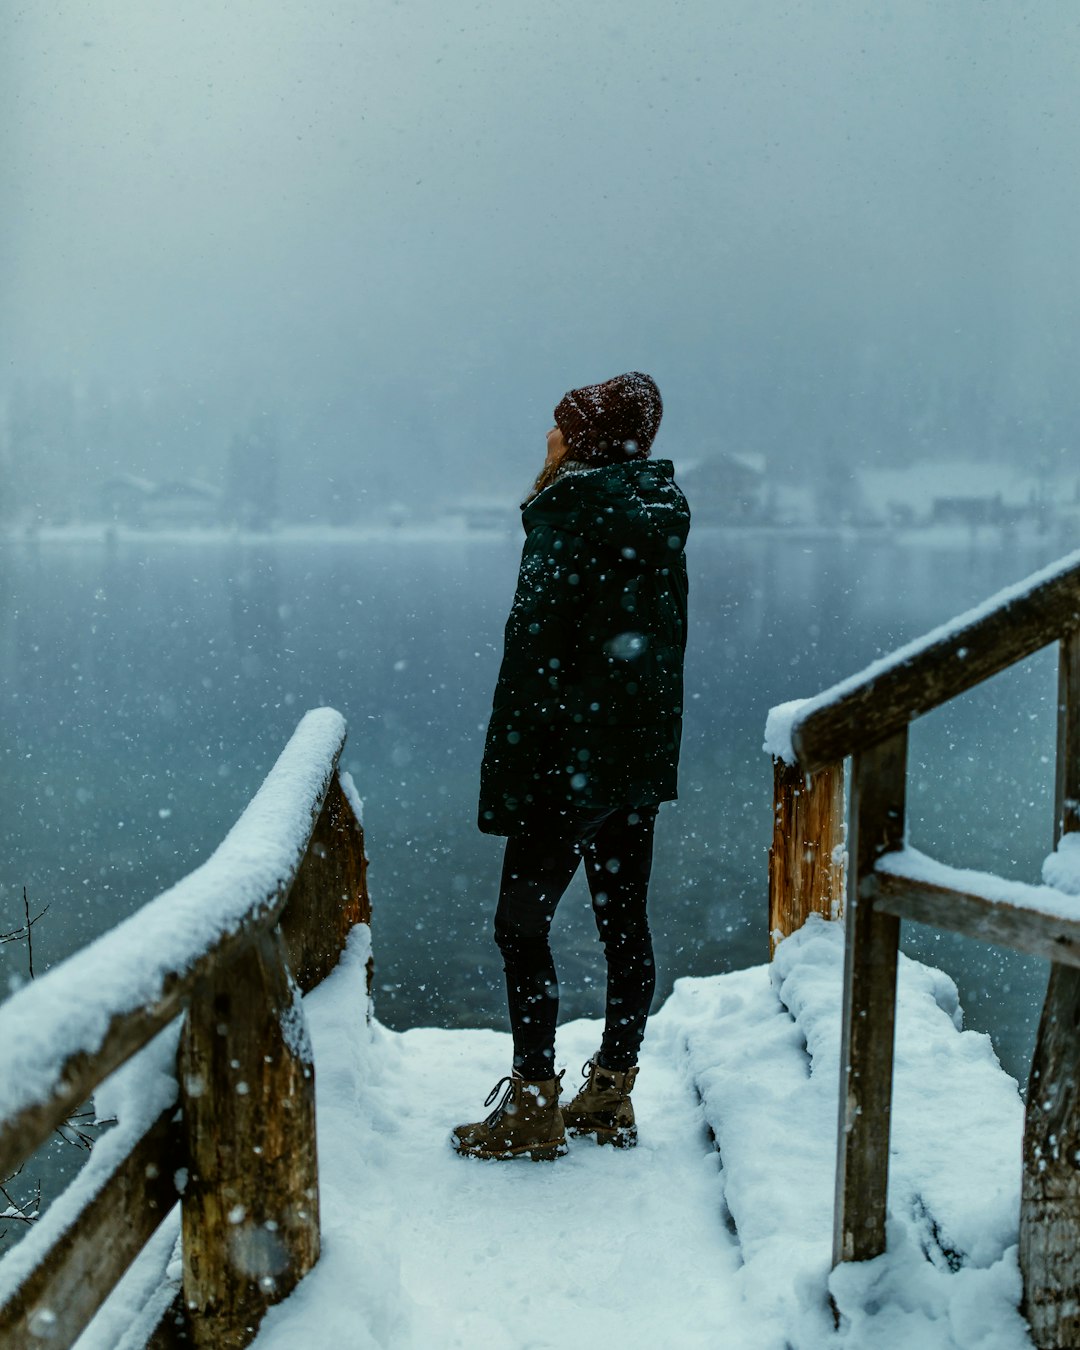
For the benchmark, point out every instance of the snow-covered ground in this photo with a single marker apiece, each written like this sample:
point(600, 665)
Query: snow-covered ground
point(715, 1231)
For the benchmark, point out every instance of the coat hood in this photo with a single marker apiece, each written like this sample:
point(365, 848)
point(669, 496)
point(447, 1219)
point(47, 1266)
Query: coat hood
point(635, 508)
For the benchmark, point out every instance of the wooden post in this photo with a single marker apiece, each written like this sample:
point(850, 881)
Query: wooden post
point(806, 860)
point(1067, 783)
point(251, 1203)
point(329, 895)
point(878, 789)
point(1050, 1195)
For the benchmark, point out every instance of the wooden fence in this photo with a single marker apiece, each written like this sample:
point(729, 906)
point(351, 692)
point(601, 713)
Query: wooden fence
point(867, 720)
point(266, 917)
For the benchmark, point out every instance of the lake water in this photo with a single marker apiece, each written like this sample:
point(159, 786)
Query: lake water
point(146, 688)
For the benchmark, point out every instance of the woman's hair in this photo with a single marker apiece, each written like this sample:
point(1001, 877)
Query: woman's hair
point(544, 479)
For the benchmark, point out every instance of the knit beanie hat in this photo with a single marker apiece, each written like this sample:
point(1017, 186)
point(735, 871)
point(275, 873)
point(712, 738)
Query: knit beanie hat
point(611, 422)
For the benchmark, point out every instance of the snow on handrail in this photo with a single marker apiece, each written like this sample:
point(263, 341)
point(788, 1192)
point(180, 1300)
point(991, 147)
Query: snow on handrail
point(909, 864)
point(1041, 920)
point(881, 699)
point(63, 1032)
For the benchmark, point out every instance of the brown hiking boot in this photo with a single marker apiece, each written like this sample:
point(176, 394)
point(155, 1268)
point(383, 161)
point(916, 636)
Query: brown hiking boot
point(603, 1107)
point(526, 1121)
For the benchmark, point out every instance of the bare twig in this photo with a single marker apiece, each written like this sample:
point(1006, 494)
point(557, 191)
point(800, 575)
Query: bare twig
point(75, 1130)
point(26, 1211)
point(71, 1134)
point(17, 934)
point(29, 933)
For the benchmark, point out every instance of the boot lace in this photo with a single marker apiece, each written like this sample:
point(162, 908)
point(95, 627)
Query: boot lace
point(500, 1110)
point(509, 1082)
point(587, 1070)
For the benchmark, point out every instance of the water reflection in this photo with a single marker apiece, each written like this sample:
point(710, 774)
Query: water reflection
point(146, 688)
point(255, 612)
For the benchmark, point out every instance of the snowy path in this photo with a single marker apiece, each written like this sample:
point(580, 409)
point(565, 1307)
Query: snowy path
point(677, 1242)
point(425, 1249)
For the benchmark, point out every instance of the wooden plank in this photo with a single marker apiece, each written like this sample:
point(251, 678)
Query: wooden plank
point(251, 1207)
point(1067, 785)
point(128, 1031)
point(1026, 929)
point(59, 1297)
point(806, 860)
point(878, 787)
point(1050, 1191)
point(925, 675)
point(329, 895)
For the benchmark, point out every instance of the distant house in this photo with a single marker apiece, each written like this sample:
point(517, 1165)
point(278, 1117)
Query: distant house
point(127, 500)
point(953, 492)
point(725, 488)
point(182, 501)
point(974, 510)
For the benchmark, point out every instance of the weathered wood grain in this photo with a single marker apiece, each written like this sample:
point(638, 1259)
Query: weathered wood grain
point(251, 1207)
point(1029, 930)
point(1050, 1191)
point(878, 789)
point(128, 1032)
point(329, 895)
point(59, 1297)
point(806, 860)
point(879, 706)
point(1067, 778)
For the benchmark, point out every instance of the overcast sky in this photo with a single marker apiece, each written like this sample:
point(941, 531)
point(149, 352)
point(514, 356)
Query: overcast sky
point(429, 218)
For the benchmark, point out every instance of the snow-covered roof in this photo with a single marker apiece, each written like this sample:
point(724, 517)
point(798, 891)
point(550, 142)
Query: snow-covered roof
point(918, 486)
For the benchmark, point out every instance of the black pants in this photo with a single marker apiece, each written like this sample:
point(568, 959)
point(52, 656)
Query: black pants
point(617, 847)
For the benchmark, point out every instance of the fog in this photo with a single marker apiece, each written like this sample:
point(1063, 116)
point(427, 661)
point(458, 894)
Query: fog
point(390, 235)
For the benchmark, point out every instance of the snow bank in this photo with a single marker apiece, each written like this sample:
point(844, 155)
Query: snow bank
point(779, 743)
point(763, 1047)
point(68, 1010)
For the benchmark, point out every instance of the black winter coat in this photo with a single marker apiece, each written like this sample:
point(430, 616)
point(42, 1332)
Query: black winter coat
point(588, 706)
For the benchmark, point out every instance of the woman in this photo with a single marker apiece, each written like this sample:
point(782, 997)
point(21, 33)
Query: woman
point(582, 747)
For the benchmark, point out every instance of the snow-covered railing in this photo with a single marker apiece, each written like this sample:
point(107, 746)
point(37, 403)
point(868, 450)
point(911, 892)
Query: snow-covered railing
point(231, 947)
point(881, 700)
point(867, 718)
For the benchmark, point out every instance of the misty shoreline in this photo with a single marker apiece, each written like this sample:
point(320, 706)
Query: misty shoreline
point(952, 536)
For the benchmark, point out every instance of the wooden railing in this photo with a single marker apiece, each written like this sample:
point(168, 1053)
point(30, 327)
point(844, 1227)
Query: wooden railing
point(229, 949)
point(867, 719)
